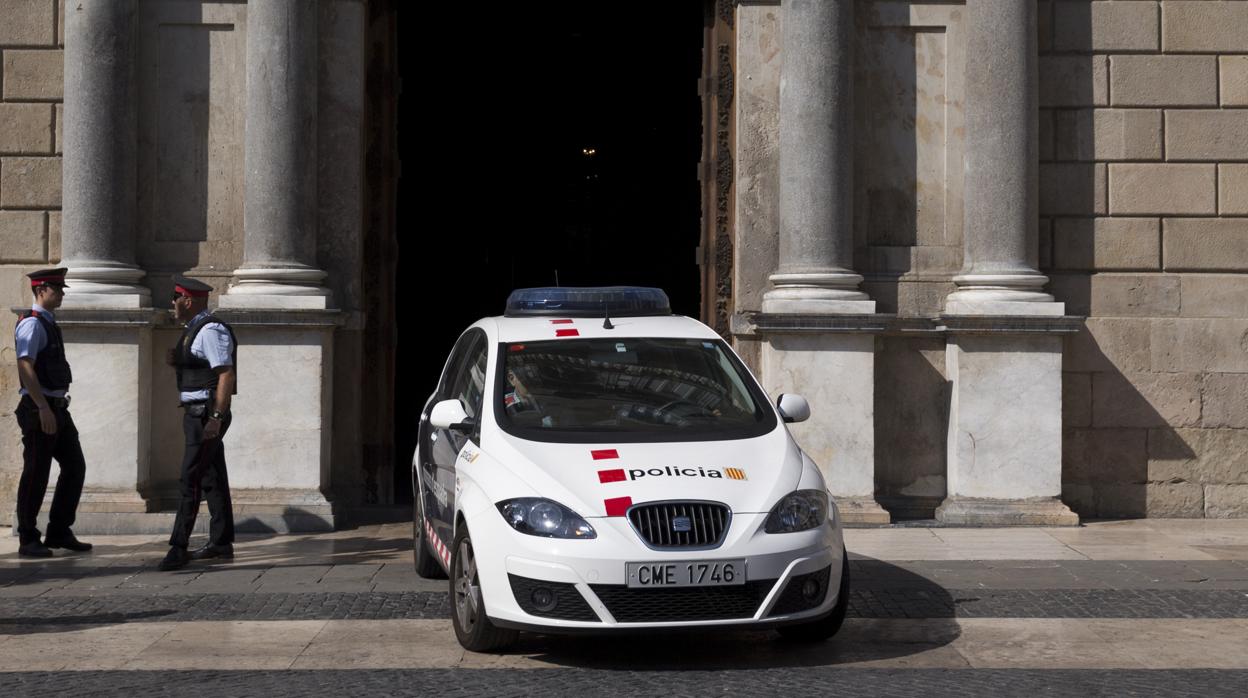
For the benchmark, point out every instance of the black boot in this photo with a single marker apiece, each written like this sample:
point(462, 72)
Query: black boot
point(34, 549)
point(209, 550)
point(176, 559)
point(68, 541)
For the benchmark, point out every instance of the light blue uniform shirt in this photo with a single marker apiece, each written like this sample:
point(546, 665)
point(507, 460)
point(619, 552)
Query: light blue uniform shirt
point(213, 344)
point(30, 338)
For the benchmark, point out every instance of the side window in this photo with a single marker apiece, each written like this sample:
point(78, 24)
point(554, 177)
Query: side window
point(469, 385)
point(455, 366)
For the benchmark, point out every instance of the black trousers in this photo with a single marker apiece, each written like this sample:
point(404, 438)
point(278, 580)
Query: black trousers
point(203, 477)
point(38, 450)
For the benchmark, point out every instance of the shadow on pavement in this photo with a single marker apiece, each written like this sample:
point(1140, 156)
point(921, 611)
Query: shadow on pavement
point(863, 638)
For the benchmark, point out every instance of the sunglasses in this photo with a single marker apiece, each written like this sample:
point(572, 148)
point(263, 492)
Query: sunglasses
point(178, 296)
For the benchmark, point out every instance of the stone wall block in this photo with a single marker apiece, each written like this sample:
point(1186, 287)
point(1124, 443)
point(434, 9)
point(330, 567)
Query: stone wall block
point(1108, 134)
point(1105, 456)
point(1107, 244)
point(1214, 295)
point(59, 120)
point(1106, 26)
point(1044, 25)
point(1232, 189)
point(1206, 134)
point(1074, 81)
point(1047, 148)
point(1175, 500)
point(1205, 244)
point(1072, 189)
point(1233, 79)
point(1145, 399)
point(1199, 345)
point(1162, 189)
point(34, 74)
point(1073, 289)
point(30, 182)
point(1224, 401)
point(1110, 344)
point(1164, 81)
point(22, 236)
point(1226, 501)
point(1204, 456)
point(25, 129)
point(27, 23)
point(1076, 399)
point(1204, 25)
point(1135, 295)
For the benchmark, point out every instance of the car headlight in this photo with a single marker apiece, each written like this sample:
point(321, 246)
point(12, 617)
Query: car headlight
point(544, 517)
point(798, 511)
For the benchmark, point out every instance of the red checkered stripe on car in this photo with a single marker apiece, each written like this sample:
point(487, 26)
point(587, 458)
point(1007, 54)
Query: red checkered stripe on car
point(615, 506)
point(437, 544)
point(567, 331)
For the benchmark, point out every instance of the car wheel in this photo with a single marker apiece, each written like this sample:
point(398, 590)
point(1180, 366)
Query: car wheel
point(427, 564)
point(472, 627)
point(823, 628)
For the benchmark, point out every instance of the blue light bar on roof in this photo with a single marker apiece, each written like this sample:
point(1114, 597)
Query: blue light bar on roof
point(619, 301)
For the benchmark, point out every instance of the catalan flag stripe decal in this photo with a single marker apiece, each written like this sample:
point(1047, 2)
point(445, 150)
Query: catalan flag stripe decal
point(617, 506)
point(735, 473)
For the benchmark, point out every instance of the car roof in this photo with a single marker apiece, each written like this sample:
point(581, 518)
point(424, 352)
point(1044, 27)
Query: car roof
point(532, 329)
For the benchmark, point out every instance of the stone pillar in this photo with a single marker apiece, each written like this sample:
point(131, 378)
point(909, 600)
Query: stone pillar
point(832, 368)
point(279, 216)
point(1001, 248)
point(107, 316)
point(816, 164)
point(100, 178)
point(1004, 353)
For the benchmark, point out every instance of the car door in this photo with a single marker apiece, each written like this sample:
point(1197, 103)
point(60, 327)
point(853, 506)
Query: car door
point(464, 381)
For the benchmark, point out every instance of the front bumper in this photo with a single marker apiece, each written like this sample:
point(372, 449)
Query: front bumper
point(586, 579)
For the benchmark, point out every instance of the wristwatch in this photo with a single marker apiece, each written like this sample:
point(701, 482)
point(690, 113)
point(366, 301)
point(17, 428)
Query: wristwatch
point(216, 414)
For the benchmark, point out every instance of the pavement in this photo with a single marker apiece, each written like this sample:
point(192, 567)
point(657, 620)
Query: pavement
point(1143, 607)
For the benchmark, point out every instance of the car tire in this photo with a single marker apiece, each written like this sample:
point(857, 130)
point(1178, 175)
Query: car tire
point(427, 564)
point(823, 628)
point(473, 627)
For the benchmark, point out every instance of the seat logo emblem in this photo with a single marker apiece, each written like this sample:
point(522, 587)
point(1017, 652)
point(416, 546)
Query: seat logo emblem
point(682, 524)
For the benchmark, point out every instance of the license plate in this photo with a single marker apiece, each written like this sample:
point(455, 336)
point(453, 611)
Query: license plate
point(694, 573)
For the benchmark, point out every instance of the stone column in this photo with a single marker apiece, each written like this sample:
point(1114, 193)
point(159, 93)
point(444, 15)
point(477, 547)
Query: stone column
point(279, 216)
point(1004, 350)
point(1001, 249)
point(100, 179)
point(816, 164)
point(832, 367)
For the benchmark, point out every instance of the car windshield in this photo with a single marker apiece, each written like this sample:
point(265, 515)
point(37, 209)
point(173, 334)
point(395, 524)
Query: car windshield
point(650, 388)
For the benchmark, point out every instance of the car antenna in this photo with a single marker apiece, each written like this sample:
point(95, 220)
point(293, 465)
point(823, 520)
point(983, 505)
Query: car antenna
point(606, 314)
point(556, 278)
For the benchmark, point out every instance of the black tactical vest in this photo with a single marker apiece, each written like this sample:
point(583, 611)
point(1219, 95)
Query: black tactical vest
point(51, 366)
point(195, 373)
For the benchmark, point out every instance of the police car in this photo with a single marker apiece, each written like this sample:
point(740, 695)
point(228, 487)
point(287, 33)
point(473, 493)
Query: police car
point(591, 462)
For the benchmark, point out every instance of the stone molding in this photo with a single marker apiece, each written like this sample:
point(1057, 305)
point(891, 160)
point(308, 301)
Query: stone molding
point(754, 324)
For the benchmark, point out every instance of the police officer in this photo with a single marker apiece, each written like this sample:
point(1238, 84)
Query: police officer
point(47, 429)
point(205, 359)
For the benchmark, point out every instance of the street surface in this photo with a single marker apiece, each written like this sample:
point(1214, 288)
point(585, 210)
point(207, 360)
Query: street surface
point(1149, 607)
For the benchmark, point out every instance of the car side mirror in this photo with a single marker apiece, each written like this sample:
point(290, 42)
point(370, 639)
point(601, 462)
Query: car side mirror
point(793, 407)
point(450, 414)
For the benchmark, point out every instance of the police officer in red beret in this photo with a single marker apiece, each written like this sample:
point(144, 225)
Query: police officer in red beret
point(48, 430)
point(205, 359)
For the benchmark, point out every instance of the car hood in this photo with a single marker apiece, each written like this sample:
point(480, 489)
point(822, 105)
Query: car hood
point(603, 479)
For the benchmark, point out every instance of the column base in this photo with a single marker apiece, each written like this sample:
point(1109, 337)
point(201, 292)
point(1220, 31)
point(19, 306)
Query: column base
point(861, 510)
point(105, 285)
point(288, 288)
point(819, 293)
point(1038, 511)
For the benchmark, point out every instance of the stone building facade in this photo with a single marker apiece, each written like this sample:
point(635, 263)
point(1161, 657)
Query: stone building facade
point(1001, 245)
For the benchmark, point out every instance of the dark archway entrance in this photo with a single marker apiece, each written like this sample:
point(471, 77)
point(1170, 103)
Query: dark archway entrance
point(541, 144)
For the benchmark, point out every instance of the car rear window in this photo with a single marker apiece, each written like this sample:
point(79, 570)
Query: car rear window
point(631, 388)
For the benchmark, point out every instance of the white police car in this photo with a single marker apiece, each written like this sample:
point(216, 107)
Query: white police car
point(592, 462)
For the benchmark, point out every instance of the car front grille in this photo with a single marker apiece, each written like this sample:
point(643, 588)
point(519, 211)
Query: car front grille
point(681, 525)
point(683, 603)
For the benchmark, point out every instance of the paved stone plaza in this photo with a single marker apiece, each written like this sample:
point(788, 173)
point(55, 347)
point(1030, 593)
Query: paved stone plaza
point(1146, 607)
